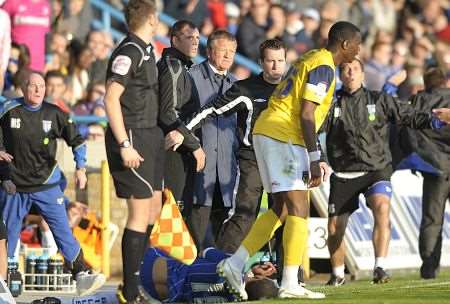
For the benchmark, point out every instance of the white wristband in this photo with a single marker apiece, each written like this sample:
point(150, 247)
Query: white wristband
point(314, 156)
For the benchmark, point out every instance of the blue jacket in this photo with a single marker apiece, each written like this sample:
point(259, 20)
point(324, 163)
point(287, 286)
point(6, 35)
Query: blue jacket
point(219, 140)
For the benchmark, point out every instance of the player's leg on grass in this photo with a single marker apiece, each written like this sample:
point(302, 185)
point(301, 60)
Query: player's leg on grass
point(260, 233)
point(336, 246)
point(295, 239)
point(380, 205)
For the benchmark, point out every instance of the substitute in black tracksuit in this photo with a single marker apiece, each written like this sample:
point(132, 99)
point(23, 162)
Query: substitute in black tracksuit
point(175, 88)
point(248, 98)
point(358, 151)
point(434, 148)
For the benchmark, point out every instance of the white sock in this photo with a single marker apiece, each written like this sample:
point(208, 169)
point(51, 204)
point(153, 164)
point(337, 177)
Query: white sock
point(380, 262)
point(48, 241)
point(339, 271)
point(290, 276)
point(239, 258)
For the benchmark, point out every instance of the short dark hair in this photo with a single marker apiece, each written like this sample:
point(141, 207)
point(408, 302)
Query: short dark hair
point(54, 74)
point(341, 31)
point(361, 64)
point(271, 44)
point(178, 27)
point(137, 11)
point(219, 34)
point(434, 78)
point(259, 289)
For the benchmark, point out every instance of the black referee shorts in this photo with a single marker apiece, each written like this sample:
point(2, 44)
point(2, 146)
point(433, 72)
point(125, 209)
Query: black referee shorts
point(344, 192)
point(141, 182)
point(3, 231)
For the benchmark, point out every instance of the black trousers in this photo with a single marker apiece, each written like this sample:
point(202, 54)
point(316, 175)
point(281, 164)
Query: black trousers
point(248, 198)
point(204, 222)
point(436, 190)
point(175, 173)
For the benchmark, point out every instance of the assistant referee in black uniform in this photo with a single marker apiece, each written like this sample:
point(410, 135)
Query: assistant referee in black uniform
point(134, 142)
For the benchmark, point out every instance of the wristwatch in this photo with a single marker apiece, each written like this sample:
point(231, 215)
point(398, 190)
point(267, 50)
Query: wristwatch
point(125, 144)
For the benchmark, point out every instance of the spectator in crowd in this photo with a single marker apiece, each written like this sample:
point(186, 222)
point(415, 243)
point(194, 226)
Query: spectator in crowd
point(434, 148)
point(175, 92)
point(285, 143)
point(101, 44)
point(58, 56)
point(254, 29)
point(19, 60)
point(137, 167)
point(400, 54)
point(217, 12)
point(30, 23)
point(76, 19)
point(93, 104)
point(56, 88)
point(248, 98)
point(195, 11)
point(5, 43)
point(363, 168)
point(232, 12)
point(78, 78)
point(378, 68)
point(213, 188)
point(30, 174)
point(304, 38)
point(277, 17)
point(15, 89)
point(293, 22)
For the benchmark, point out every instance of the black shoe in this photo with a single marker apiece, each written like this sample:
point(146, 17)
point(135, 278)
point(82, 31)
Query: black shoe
point(380, 276)
point(335, 281)
point(142, 297)
point(427, 271)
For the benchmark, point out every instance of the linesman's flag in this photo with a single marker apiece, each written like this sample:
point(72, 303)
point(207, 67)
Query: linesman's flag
point(170, 233)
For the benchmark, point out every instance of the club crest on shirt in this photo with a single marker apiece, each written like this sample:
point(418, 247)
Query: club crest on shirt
point(15, 123)
point(46, 125)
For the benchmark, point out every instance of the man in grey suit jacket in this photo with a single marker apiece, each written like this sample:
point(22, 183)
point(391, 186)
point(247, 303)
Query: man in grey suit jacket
point(214, 187)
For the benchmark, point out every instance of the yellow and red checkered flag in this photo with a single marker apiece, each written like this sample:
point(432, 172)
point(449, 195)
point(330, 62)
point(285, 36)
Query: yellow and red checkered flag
point(170, 233)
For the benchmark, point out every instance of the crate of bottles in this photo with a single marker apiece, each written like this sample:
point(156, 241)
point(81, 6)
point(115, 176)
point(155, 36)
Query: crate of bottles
point(39, 273)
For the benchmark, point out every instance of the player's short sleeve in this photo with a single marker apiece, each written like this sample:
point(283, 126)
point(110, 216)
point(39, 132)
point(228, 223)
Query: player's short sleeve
point(318, 82)
point(124, 64)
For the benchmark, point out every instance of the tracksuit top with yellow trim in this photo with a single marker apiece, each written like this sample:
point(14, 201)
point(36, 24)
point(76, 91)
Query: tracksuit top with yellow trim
point(313, 79)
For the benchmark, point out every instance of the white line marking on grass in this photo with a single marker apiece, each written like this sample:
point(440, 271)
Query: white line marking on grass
point(421, 285)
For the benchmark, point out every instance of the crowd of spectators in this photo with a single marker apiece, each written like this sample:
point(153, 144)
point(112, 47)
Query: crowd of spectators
point(56, 38)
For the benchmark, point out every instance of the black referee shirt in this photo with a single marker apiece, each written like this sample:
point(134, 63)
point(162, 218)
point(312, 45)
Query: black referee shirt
point(132, 64)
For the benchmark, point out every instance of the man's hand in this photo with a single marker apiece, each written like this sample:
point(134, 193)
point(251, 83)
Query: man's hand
point(6, 156)
point(80, 178)
point(326, 171)
point(200, 157)
point(315, 174)
point(131, 158)
point(442, 114)
point(9, 186)
point(398, 77)
point(174, 139)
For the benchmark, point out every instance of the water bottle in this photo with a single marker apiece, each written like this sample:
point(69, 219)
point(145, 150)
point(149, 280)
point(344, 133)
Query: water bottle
point(30, 268)
point(59, 270)
point(41, 271)
point(14, 278)
point(52, 271)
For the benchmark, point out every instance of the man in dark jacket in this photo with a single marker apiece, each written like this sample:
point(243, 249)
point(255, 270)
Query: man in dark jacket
point(358, 151)
point(175, 88)
point(434, 148)
point(248, 98)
